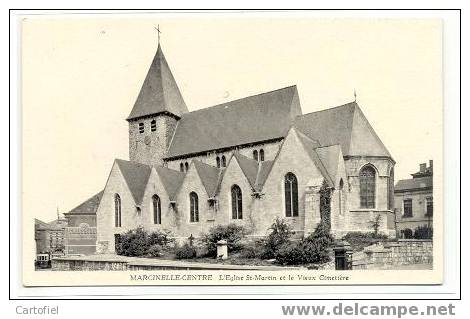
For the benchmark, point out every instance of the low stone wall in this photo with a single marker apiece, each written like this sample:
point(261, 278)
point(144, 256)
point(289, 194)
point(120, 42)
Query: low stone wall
point(387, 255)
point(121, 263)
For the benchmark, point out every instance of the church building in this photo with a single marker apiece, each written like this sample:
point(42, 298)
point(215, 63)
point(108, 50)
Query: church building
point(247, 161)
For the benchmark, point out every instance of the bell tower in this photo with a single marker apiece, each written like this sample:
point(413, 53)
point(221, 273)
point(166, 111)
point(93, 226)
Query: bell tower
point(157, 110)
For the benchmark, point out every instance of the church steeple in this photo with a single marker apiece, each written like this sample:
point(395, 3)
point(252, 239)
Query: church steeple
point(159, 92)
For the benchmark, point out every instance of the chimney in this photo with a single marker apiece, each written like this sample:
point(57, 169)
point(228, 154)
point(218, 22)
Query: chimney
point(422, 168)
point(430, 165)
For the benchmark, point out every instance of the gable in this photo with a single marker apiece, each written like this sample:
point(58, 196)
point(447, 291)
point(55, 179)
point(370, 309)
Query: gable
point(136, 176)
point(209, 176)
point(252, 119)
point(170, 179)
point(344, 125)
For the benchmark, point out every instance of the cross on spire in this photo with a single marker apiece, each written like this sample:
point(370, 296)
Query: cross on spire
point(355, 96)
point(158, 32)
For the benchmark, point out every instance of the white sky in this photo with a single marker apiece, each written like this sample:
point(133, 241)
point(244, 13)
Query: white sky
point(82, 75)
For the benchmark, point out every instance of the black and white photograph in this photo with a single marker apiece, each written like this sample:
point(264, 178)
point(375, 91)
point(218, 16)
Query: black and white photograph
point(231, 149)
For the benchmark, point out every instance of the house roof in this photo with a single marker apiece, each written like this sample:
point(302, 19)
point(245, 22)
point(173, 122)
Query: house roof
point(159, 92)
point(171, 180)
point(345, 125)
point(136, 176)
point(88, 207)
point(414, 184)
point(210, 176)
point(248, 120)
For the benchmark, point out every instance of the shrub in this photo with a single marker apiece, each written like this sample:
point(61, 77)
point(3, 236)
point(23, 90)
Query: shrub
point(162, 238)
point(280, 234)
point(133, 243)
point(312, 249)
point(359, 240)
point(232, 233)
point(185, 252)
point(138, 242)
point(154, 251)
point(252, 250)
point(290, 254)
point(423, 232)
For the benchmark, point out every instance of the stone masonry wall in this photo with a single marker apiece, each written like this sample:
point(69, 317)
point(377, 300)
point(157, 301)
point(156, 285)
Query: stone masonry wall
point(387, 255)
point(150, 147)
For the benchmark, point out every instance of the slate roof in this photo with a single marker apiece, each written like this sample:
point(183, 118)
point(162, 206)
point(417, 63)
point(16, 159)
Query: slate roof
point(330, 157)
point(310, 147)
point(248, 120)
point(345, 125)
point(414, 184)
point(171, 180)
point(136, 176)
point(159, 92)
point(210, 176)
point(255, 172)
point(88, 207)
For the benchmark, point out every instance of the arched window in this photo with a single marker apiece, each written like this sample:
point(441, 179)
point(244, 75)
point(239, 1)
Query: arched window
point(157, 209)
point(367, 187)
point(193, 207)
point(255, 155)
point(391, 178)
point(141, 128)
point(237, 207)
point(261, 155)
point(217, 159)
point(340, 196)
point(182, 167)
point(153, 125)
point(224, 162)
point(291, 195)
point(117, 210)
point(186, 166)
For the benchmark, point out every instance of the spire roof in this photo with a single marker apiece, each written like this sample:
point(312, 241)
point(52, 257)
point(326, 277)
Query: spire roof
point(159, 92)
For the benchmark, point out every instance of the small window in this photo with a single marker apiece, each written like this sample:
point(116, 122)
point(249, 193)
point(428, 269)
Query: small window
point(429, 207)
point(261, 155)
point(181, 167)
point(193, 208)
point(237, 210)
point(255, 155)
point(408, 208)
point(153, 125)
point(141, 128)
point(217, 159)
point(186, 166)
point(224, 162)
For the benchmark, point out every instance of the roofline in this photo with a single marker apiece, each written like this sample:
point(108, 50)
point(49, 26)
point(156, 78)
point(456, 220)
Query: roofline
point(135, 118)
point(404, 190)
point(329, 108)
point(223, 149)
point(370, 156)
point(242, 98)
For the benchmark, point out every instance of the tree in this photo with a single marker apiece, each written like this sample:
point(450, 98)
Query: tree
point(375, 224)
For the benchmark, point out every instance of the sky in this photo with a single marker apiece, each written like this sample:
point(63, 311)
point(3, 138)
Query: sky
point(82, 74)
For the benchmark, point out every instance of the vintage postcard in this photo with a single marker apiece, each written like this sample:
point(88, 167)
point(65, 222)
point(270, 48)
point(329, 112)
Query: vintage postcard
point(275, 148)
